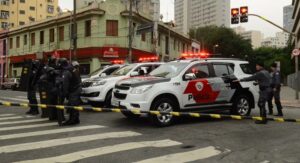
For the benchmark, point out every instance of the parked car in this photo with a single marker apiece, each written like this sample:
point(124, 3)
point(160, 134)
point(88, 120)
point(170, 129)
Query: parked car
point(200, 85)
point(102, 72)
point(11, 83)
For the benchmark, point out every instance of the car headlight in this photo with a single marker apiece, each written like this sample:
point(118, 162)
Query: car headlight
point(97, 83)
point(140, 90)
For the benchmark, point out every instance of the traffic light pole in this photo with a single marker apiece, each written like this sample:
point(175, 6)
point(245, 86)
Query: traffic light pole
point(296, 46)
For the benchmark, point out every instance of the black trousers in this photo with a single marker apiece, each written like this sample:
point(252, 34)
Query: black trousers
point(264, 96)
point(31, 96)
point(276, 95)
point(74, 100)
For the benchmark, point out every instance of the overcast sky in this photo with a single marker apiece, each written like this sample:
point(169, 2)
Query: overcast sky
point(271, 9)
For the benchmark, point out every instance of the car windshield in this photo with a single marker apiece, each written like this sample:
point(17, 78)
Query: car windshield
point(123, 71)
point(169, 70)
point(96, 71)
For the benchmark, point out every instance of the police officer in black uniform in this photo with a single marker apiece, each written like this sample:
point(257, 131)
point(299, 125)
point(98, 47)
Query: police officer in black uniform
point(276, 87)
point(32, 85)
point(71, 89)
point(263, 78)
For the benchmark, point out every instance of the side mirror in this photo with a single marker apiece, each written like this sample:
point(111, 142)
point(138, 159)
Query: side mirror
point(190, 76)
point(103, 75)
point(134, 73)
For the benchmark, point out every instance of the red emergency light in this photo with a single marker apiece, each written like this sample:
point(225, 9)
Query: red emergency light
point(195, 55)
point(148, 59)
point(118, 62)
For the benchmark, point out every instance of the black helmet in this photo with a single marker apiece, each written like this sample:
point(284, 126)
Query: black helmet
point(62, 63)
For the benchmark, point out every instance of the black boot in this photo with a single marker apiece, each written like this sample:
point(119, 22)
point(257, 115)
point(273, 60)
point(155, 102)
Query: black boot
point(263, 114)
point(270, 111)
point(280, 114)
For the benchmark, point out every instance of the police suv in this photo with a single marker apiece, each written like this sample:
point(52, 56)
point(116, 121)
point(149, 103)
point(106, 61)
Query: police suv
point(200, 85)
point(98, 91)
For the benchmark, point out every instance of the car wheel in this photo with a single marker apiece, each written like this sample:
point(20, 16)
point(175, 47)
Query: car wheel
point(241, 106)
point(130, 115)
point(163, 105)
point(107, 102)
point(95, 104)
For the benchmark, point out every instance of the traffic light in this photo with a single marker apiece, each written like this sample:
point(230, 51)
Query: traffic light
point(235, 16)
point(244, 14)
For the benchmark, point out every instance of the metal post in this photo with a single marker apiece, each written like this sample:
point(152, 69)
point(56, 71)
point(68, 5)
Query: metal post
point(129, 59)
point(75, 31)
point(297, 69)
point(156, 19)
point(71, 39)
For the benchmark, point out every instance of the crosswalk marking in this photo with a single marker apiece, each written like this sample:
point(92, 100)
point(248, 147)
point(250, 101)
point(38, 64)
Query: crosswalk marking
point(47, 132)
point(183, 157)
point(65, 141)
point(24, 121)
point(14, 99)
point(28, 126)
point(6, 115)
point(72, 157)
point(15, 117)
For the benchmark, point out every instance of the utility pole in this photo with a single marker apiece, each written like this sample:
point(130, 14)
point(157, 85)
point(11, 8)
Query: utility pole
point(156, 19)
point(74, 36)
point(129, 59)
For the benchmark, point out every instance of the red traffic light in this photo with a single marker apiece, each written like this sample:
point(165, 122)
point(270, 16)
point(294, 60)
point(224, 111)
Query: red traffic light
point(234, 12)
point(244, 10)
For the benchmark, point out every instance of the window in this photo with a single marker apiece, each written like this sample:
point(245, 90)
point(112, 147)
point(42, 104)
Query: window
point(32, 8)
point(4, 14)
point(88, 28)
point(25, 40)
point(50, 9)
point(246, 69)
point(4, 25)
point(41, 37)
point(61, 33)
point(143, 36)
point(18, 41)
point(200, 71)
point(159, 39)
point(22, 1)
point(21, 23)
point(222, 70)
point(51, 35)
point(174, 45)
point(167, 44)
point(112, 28)
point(22, 12)
point(32, 39)
point(11, 43)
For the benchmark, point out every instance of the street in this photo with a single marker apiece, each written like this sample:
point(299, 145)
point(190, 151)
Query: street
point(110, 137)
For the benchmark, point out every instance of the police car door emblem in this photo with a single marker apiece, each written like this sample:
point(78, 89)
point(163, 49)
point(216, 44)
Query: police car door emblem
point(199, 86)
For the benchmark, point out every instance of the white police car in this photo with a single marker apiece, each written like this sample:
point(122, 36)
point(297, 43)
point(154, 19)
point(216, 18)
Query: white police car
point(99, 90)
point(101, 72)
point(200, 85)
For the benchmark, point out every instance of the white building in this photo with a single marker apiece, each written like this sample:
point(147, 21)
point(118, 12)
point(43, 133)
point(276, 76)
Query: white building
point(288, 20)
point(199, 13)
point(256, 37)
point(279, 41)
point(146, 8)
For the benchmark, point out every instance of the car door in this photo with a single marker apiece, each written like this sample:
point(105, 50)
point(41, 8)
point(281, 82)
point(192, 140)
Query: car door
point(223, 76)
point(198, 91)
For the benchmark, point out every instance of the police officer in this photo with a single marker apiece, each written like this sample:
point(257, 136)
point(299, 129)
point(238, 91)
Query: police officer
point(71, 89)
point(276, 87)
point(32, 84)
point(263, 78)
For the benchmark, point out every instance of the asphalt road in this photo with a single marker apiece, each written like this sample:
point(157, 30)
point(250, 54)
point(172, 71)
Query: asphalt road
point(109, 137)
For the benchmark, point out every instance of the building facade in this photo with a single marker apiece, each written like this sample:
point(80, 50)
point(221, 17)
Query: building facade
point(146, 8)
point(279, 41)
point(296, 26)
point(256, 37)
point(288, 20)
point(102, 38)
point(195, 13)
point(16, 13)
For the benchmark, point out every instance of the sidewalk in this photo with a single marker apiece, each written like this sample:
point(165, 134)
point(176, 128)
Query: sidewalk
point(288, 98)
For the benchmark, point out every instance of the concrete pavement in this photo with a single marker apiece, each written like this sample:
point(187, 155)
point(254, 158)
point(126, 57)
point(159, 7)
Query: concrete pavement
point(288, 98)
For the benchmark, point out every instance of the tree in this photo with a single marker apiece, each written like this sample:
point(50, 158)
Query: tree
point(229, 43)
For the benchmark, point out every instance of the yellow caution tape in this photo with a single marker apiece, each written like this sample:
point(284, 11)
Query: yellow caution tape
point(217, 116)
point(195, 115)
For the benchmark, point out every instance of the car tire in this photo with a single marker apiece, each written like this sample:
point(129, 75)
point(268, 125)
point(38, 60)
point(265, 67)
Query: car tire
point(107, 102)
point(95, 104)
point(164, 105)
point(241, 106)
point(130, 115)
